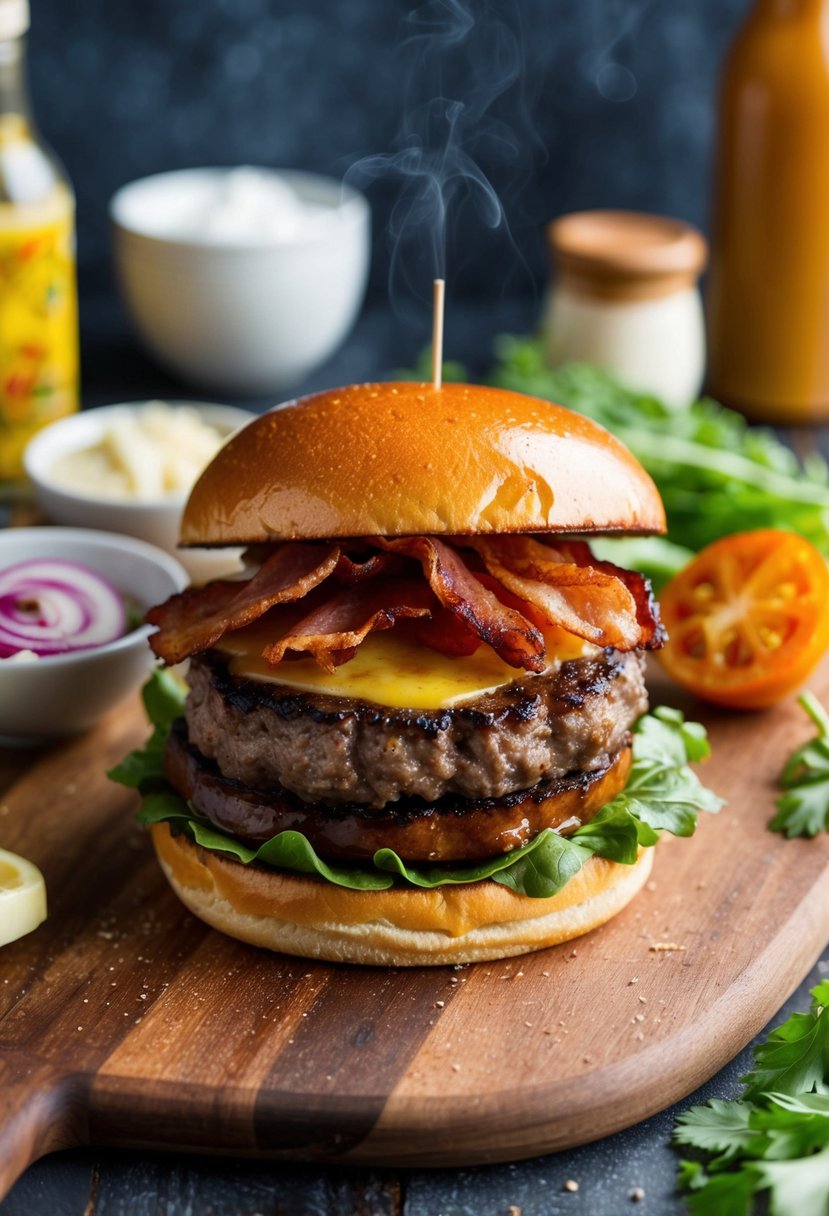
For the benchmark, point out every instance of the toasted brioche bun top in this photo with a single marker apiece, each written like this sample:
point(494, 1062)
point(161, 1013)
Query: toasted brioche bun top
point(408, 459)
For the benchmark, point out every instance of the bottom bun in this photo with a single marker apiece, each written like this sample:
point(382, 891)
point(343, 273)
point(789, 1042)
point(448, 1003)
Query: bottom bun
point(306, 916)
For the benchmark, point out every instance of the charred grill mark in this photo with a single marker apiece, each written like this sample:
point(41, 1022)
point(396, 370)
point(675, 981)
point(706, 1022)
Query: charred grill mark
point(576, 682)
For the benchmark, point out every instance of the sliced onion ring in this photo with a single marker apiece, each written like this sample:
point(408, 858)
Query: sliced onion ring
point(51, 606)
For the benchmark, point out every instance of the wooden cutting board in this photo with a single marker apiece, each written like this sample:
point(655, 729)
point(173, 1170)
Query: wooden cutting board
point(125, 1021)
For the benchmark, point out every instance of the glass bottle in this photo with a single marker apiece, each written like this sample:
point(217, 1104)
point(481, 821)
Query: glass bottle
point(38, 295)
point(768, 290)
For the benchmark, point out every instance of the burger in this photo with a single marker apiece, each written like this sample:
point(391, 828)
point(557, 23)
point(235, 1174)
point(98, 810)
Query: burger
point(408, 729)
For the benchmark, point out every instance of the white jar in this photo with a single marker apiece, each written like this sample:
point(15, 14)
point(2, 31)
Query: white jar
point(625, 298)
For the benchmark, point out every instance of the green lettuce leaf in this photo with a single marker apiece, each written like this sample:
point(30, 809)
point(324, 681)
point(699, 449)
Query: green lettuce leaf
point(163, 695)
point(661, 794)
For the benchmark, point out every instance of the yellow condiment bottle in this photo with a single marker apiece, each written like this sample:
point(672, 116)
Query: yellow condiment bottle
point(38, 295)
point(768, 286)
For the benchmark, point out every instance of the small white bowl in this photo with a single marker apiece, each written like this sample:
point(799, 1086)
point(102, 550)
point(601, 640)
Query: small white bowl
point(156, 521)
point(43, 699)
point(248, 315)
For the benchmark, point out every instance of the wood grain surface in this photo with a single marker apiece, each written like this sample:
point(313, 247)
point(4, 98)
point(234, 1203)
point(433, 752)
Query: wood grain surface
point(125, 1021)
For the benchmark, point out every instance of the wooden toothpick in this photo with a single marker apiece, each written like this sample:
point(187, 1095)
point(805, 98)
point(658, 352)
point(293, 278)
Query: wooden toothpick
point(438, 293)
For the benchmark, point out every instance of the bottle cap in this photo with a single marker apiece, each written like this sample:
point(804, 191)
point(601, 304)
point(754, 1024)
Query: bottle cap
point(625, 255)
point(14, 18)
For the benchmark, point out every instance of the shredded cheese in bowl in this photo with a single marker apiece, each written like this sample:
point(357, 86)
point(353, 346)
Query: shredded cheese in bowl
point(143, 454)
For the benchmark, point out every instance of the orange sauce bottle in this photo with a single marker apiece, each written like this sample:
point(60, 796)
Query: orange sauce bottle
point(768, 292)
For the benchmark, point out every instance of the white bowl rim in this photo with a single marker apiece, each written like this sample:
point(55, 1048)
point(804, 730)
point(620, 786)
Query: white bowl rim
point(352, 201)
point(107, 541)
point(37, 471)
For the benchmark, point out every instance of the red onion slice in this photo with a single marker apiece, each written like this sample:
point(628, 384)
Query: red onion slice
point(51, 606)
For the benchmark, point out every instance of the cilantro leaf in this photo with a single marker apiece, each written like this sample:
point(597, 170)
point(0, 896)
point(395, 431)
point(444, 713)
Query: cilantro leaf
point(775, 1139)
point(718, 1127)
point(803, 810)
point(806, 1104)
point(691, 1175)
point(793, 1125)
point(796, 1188)
point(794, 1059)
point(723, 1195)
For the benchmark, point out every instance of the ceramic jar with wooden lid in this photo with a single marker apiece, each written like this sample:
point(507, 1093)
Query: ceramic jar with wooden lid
point(625, 297)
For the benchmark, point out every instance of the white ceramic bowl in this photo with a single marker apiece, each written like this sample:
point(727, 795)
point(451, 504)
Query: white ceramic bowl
point(43, 699)
point(250, 316)
point(156, 521)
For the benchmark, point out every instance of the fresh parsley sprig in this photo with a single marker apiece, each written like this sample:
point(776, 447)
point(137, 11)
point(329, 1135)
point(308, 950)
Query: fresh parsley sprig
point(774, 1140)
point(803, 810)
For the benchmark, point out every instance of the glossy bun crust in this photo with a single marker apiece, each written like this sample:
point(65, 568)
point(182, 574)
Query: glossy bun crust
point(305, 916)
point(408, 459)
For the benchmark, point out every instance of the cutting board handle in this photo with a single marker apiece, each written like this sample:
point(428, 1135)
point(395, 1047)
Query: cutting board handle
point(40, 1111)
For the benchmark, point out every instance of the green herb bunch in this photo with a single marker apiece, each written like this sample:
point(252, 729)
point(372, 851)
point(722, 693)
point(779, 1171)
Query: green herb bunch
point(803, 807)
point(772, 1145)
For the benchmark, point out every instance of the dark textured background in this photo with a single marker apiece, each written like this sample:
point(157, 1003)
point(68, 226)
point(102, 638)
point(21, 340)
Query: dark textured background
point(612, 105)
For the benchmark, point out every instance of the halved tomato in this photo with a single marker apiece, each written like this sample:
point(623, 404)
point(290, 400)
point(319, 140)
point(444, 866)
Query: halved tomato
point(747, 618)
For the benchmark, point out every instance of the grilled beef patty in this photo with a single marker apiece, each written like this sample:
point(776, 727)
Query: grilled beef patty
point(452, 829)
point(332, 750)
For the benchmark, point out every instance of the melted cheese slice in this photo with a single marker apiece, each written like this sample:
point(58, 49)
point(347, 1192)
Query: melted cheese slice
point(391, 668)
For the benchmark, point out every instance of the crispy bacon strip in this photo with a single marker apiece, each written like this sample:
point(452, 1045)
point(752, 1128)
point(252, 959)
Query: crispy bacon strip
point(647, 608)
point(507, 631)
point(350, 571)
point(571, 589)
point(525, 583)
point(199, 616)
point(448, 634)
point(333, 630)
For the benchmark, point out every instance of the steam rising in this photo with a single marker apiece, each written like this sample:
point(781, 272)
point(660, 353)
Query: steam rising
point(436, 163)
point(613, 80)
